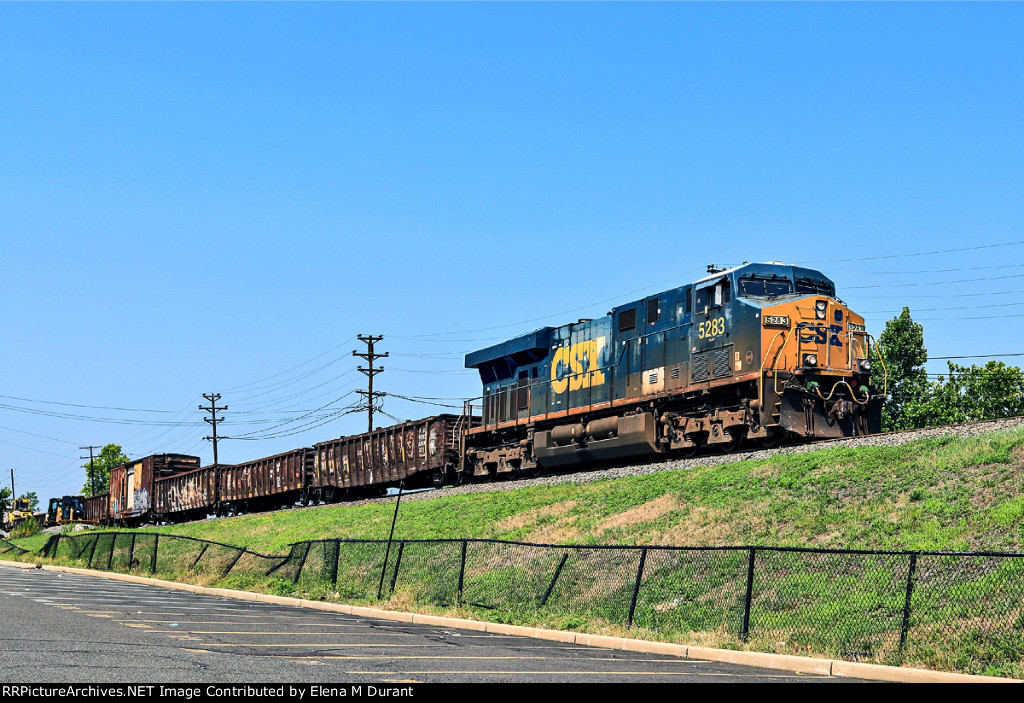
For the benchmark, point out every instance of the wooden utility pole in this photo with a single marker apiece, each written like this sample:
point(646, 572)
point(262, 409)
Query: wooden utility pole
point(370, 372)
point(92, 470)
point(213, 419)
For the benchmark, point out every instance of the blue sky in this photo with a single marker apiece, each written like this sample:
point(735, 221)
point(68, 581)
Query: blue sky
point(202, 198)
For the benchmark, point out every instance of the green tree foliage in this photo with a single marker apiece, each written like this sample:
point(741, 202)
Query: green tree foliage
point(902, 348)
point(99, 476)
point(972, 393)
point(5, 499)
point(965, 395)
point(32, 498)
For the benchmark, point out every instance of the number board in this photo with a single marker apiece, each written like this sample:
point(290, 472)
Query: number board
point(776, 320)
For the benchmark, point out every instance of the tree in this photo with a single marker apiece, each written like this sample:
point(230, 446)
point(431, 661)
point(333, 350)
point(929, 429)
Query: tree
point(32, 498)
point(902, 349)
point(968, 394)
point(5, 498)
point(99, 475)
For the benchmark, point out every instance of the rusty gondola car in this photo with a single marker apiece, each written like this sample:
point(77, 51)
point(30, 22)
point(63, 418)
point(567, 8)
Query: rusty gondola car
point(191, 495)
point(97, 509)
point(419, 453)
point(267, 483)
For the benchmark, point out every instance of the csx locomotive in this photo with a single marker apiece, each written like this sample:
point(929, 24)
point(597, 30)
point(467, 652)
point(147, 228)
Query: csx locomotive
point(760, 352)
point(757, 352)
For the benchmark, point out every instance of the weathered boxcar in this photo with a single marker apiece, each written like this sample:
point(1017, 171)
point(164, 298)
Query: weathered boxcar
point(131, 484)
point(273, 481)
point(97, 509)
point(418, 452)
point(185, 496)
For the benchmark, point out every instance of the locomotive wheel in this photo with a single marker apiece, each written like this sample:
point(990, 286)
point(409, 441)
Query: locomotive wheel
point(690, 452)
point(773, 440)
point(536, 471)
point(439, 478)
point(732, 445)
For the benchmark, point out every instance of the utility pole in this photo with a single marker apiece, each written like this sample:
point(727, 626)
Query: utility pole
point(13, 494)
point(370, 372)
point(92, 471)
point(213, 420)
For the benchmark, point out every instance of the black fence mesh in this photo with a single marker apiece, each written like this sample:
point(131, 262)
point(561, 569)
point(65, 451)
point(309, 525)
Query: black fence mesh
point(964, 610)
point(11, 549)
point(151, 553)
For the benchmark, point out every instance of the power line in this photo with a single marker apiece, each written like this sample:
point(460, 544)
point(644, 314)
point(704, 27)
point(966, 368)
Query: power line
point(308, 361)
point(974, 356)
point(921, 253)
point(935, 283)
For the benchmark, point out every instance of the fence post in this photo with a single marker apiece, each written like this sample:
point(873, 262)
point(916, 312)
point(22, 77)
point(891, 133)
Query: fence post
point(156, 547)
point(554, 579)
point(302, 563)
point(95, 541)
point(110, 559)
point(391, 536)
point(131, 554)
point(750, 593)
point(201, 553)
point(337, 558)
point(234, 561)
point(636, 588)
point(462, 570)
point(398, 563)
point(906, 604)
point(88, 543)
point(291, 553)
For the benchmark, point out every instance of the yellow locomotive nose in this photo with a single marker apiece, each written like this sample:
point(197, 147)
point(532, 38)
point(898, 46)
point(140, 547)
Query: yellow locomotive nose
point(815, 335)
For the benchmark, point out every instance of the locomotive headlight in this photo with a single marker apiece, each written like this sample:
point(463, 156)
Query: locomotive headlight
point(819, 309)
point(865, 365)
point(810, 359)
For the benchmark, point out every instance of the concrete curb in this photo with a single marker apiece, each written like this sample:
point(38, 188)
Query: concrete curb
point(782, 662)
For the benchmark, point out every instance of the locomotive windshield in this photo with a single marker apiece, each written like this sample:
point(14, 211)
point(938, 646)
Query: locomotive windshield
point(765, 287)
point(815, 286)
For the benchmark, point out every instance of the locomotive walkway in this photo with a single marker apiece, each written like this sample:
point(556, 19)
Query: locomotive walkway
point(131, 631)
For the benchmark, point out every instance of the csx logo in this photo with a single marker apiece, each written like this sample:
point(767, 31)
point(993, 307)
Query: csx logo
point(574, 367)
point(819, 334)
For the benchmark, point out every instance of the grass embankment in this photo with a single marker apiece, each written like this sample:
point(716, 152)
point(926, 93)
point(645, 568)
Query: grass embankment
point(938, 494)
point(943, 494)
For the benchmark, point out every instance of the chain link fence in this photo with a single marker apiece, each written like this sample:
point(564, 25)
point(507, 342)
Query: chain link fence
point(960, 611)
point(9, 549)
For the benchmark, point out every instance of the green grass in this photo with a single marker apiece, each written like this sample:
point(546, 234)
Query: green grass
point(943, 494)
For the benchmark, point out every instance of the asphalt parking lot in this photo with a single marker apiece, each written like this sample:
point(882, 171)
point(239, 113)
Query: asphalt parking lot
point(62, 627)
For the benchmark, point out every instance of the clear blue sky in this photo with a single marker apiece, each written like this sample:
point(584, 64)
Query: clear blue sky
point(203, 198)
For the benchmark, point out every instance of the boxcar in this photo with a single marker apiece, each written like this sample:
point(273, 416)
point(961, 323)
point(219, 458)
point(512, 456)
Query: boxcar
point(131, 484)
